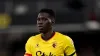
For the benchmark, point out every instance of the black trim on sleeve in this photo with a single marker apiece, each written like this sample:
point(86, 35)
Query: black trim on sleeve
point(72, 54)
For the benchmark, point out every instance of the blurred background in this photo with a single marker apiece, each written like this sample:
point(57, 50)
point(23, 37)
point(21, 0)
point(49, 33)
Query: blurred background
point(80, 19)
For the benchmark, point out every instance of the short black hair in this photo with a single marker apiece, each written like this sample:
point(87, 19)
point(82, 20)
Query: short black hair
point(49, 11)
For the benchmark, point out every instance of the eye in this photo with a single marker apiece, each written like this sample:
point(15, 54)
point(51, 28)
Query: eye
point(44, 19)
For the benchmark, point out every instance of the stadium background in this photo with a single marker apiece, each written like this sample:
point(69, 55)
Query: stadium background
point(77, 18)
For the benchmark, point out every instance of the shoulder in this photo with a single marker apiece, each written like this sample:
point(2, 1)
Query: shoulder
point(33, 38)
point(65, 38)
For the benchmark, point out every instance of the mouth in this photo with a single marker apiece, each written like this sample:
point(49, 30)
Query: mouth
point(40, 27)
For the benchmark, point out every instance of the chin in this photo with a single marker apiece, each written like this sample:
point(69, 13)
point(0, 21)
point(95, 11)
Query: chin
point(41, 31)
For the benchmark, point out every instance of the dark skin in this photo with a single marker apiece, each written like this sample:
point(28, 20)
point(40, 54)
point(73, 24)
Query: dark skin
point(44, 24)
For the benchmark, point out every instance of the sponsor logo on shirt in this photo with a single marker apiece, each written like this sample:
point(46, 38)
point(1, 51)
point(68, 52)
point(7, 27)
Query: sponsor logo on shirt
point(40, 53)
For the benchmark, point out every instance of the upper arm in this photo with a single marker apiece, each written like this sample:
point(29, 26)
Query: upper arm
point(28, 48)
point(69, 48)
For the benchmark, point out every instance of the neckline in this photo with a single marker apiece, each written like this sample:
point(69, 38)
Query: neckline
point(52, 36)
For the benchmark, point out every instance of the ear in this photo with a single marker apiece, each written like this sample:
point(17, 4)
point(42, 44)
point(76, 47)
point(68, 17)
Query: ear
point(53, 20)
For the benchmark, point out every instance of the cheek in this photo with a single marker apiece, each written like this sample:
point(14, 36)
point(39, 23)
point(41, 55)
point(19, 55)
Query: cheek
point(47, 24)
point(37, 22)
point(50, 20)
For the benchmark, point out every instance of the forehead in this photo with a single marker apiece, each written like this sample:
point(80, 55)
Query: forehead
point(43, 15)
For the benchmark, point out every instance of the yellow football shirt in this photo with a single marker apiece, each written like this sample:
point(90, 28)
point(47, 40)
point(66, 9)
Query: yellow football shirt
point(58, 45)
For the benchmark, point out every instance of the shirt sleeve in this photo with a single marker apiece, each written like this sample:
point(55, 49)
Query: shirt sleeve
point(28, 48)
point(69, 48)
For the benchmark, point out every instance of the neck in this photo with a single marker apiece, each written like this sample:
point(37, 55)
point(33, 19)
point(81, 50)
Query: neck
point(48, 35)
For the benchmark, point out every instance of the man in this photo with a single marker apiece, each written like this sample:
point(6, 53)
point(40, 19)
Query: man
point(49, 42)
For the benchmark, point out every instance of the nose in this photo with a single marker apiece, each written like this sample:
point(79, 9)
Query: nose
point(40, 22)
